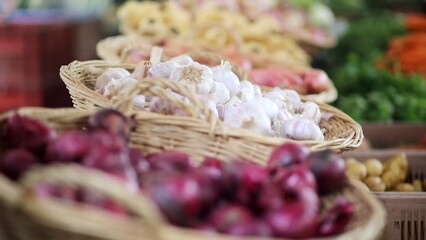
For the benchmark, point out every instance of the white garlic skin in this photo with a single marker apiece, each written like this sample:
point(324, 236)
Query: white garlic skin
point(265, 105)
point(210, 105)
point(223, 108)
point(311, 111)
point(182, 60)
point(139, 101)
point(248, 117)
point(246, 92)
point(195, 76)
point(219, 93)
point(108, 75)
point(162, 69)
point(257, 91)
point(223, 73)
point(301, 129)
point(279, 98)
point(115, 86)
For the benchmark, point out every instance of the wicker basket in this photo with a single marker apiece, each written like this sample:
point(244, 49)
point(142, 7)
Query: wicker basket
point(115, 49)
point(9, 191)
point(8, 195)
point(342, 133)
point(43, 218)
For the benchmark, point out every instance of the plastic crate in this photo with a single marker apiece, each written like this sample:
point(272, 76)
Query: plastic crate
point(400, 135)
point(406, 219)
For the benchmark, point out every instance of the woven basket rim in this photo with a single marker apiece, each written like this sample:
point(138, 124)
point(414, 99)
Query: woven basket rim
point(79, 90)
point(106, 51)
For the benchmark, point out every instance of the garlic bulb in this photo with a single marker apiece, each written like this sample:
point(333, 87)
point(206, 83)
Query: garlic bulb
point(140, 70)
point(219, 93)
point(311, 111)
point(300, 129)
point(139, 101)
point(162, 69)
point(284, 115)
point(195, 76)
point(108, 75)
point(279, 98)
point(257, 91)
point(293, 96)
point(115, 86)
point(248, 117)
point(265, 105)
point(182, 60)
point(210, 105)
point(223, 73)
point(246, 92)
point(223, 108)
point(164, 106)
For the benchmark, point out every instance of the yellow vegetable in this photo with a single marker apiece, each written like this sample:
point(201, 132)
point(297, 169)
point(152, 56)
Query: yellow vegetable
point(390, 179)
point(375, 184)
point(374, 167)
point(417, 183)
point(357, 170)
point(404, 187)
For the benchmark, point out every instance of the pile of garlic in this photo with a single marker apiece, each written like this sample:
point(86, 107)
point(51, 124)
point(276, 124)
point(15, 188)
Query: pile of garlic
point(239, 104)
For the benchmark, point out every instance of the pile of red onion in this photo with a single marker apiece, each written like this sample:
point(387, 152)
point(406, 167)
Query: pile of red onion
point(281, 199)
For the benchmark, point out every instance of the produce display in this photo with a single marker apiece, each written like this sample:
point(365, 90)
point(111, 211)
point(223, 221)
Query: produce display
point(389, 175)
point(238, 103)
point(368, 91)
point(240, 198)
point(257, 43)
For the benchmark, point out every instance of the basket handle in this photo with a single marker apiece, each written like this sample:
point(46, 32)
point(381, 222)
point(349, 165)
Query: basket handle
point(157, 87)
point(143, 208)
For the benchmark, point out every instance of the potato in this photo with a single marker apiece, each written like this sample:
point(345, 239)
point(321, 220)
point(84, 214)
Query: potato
point(404, 187)
point(390, 179)
point(417, 183)
point(374, 167)
point(357, 170)
point(375, 184)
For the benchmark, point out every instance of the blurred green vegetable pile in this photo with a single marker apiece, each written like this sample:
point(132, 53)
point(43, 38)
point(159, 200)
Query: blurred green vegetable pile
point(366, 92)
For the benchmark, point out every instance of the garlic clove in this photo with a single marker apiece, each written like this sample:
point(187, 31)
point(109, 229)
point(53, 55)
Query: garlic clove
point(195, 76)
point(139, 102)
point(219, 93)
point(248, 117)
point(300, 129)
point(162, 69)
point(269, 107)
point(223, 108)
point(310, 110)
point(109, 74)
point(246, 92)
point(257, 91)
point(223, 73)
point(182, 60)
point(115, 86)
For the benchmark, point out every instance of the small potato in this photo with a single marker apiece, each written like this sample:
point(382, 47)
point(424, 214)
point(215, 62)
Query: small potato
point(374, 167)
point(404, 187)
point(389, 179)
point(375, 184)
point(349, 161)
point(357, 170)
point(417, 183)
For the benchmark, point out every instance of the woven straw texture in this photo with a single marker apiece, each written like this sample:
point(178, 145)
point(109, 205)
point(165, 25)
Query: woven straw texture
point(41, 218)
point(342, 133)
point(115, 49)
